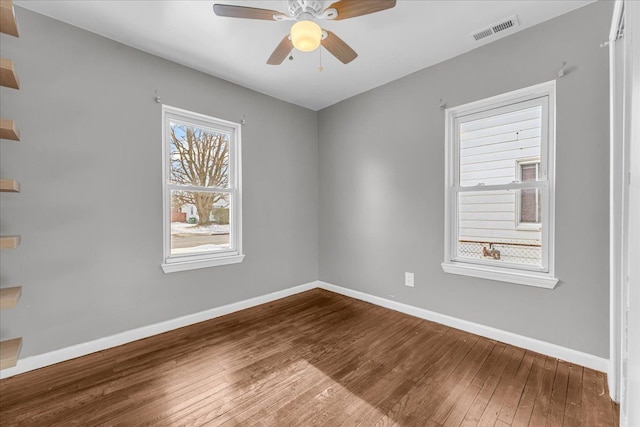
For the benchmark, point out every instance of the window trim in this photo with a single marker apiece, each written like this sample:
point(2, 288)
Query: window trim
point(544, 278)
point(182, 262)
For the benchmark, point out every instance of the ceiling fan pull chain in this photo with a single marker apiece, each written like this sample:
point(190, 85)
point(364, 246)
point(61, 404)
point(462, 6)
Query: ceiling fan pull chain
point(320, 68)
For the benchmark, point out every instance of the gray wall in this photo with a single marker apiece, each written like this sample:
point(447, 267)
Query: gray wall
point(90, 211)
point(382, 185)
point(90, 167)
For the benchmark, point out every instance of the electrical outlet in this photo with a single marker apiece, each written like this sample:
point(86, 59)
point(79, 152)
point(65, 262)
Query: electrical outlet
point(408, 279)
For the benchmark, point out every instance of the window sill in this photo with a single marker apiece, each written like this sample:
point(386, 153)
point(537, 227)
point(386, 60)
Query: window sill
point(193, 265)
point(540, 280)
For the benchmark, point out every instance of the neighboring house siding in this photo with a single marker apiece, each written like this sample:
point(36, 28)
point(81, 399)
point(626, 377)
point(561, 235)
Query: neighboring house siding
point(490, 153)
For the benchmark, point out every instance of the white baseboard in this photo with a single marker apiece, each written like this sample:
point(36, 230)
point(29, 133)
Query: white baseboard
point(41, 360)
point(548, 349)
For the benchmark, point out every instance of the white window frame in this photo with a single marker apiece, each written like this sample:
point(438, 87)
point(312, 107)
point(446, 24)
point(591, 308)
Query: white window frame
point(525, 225)
point(233, 255)
point(541, 94)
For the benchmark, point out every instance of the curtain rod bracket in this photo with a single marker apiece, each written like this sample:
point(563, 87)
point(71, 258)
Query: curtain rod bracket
point(562, 71)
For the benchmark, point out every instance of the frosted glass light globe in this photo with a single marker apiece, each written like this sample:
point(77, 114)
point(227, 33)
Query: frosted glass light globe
point(306, 36)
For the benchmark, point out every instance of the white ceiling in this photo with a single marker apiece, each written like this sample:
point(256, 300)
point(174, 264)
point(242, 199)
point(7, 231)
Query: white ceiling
point(391, 44)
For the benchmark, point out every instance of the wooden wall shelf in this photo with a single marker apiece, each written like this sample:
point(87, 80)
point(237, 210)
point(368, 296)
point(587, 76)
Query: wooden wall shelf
point(8, 77)
point(9, 242)
point(8, 24)
point(8, 130)
point(9, 297)
point(9, 186)
point(9, 351)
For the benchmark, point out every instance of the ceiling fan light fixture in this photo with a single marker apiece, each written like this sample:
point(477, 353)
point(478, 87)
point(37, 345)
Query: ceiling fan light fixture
point(306, 36)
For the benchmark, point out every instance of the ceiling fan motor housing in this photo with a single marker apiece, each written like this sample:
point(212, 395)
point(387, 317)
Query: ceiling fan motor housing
point(312, 7)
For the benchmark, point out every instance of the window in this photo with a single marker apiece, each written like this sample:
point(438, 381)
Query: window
point(499, 218)
point(201, 191)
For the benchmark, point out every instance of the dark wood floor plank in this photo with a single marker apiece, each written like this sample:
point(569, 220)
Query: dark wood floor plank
point(474, 414)
point(573, 402)
point(615, 408)
point(242, 376)
point(398, 377)
point(289, 413)
point(601, 407)
point(589, 398)
point(464, 402)
point(559, 395)
point(530, 393)
point(316, 358)
point(219, 362)
point(541, 406)
point(374, 363)
point(439, 357)
point(444, 399)
point(205, 411)
point(429, 365)
point(409, 411)
point(515, 389)
point(366, 365)
point(215, 389)
point(492, 410)
point(390, 365)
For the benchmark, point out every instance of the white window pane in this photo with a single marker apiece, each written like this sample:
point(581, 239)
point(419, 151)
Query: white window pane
point(488, 229)
point(491, 147)
point(198, 156)
point(200, 222)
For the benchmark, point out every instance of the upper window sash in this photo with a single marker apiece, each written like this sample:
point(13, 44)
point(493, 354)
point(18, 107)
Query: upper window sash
point(192, 119)
point(542, 101)
point(453, 114)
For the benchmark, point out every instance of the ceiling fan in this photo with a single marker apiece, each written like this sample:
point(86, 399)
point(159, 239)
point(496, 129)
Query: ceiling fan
point(306, 35)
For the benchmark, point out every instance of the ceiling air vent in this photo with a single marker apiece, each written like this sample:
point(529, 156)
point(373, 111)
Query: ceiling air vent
point(505, 24)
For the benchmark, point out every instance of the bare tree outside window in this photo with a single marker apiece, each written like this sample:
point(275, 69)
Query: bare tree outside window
point(199, 158)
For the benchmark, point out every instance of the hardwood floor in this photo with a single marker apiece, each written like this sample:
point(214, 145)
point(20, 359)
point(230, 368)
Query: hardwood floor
point(316, 358)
